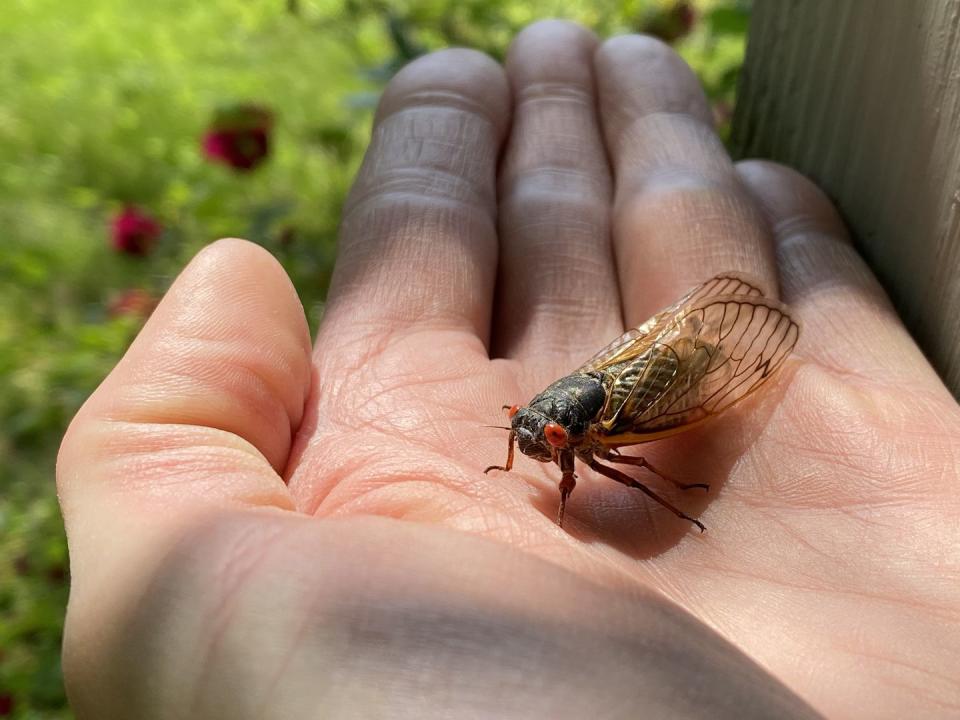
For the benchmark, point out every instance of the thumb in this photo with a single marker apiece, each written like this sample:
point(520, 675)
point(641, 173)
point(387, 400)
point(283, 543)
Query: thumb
point(198, 416)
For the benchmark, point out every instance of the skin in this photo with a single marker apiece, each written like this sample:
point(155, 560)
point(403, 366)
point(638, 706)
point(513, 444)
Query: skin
point(259, 529)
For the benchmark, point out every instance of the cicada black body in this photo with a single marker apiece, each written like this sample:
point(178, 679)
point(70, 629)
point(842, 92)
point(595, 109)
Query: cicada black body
point(698, 357)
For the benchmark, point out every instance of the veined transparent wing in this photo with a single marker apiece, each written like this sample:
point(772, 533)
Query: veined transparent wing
point(711, 354)
point(629, 344)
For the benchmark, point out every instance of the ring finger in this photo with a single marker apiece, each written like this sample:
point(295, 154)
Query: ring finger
point(681, 214)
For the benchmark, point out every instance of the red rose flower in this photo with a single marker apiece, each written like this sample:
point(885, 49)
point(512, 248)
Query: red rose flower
point(6, 704)
point(239, 136)
point(134, 231)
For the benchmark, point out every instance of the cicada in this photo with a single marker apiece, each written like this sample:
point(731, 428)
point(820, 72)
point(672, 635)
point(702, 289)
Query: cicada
point(687, 363)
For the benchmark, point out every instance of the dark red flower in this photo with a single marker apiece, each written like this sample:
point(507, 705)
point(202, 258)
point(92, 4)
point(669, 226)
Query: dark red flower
point(134, 231)
point(6, 704)
point(132, 302)
point(671, 24)
point(239, 136)
point(57, 573)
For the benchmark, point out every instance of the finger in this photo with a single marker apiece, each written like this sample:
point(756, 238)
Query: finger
point(197, 416)
point(557, 284)
point(848, 321)
point(681, 214)
point(418, 240)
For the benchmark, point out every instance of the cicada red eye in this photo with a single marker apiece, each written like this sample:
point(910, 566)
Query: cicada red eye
point(514, 409)
point(555, 435)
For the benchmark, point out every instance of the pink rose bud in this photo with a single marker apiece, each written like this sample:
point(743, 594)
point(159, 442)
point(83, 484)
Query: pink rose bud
point(239, 136)
point(134, 231)
point(134, 302)
point(722, 113)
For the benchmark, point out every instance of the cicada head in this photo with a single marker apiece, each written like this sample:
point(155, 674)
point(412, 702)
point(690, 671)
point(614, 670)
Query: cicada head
point(537, 435)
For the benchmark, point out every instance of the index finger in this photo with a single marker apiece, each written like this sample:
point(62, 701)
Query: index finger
point(418, 245)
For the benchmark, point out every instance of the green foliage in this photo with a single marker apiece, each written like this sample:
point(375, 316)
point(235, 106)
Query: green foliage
point(103, 103)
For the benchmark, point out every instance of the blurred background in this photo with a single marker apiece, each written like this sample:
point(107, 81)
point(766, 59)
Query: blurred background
point(132, 134)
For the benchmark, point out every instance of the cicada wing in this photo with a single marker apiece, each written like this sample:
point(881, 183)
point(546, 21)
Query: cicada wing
point(715, 353)
point(639, 383)
point(636, 340)
point(724, 284)
point(628, 345)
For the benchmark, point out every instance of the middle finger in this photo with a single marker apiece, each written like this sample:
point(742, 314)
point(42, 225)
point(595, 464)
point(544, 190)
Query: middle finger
point(557, 293)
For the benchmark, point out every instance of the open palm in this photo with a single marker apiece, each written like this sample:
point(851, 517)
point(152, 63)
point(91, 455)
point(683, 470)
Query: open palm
point(261, 531)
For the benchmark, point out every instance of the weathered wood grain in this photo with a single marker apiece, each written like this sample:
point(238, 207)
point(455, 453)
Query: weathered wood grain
point(863, 96)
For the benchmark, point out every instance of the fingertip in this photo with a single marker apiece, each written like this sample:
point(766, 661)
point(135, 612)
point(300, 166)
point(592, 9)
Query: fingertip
point(633, 44)
point(558, 29)
point(539, 44)
point(646, 75)
point(458, 77)
point(235, 252)
point(240, 266)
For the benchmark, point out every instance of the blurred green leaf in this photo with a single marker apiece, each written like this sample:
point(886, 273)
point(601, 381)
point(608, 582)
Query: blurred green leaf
point(729, 20)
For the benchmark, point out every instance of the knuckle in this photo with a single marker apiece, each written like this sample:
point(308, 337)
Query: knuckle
point(789, 198)
point(536, 198)
point(682, 196)
point(430, 189)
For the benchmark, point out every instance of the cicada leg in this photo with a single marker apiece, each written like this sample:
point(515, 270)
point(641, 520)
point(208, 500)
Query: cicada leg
point(567, 483)
point(642, 462)
point(509, 464)
point(620, 477)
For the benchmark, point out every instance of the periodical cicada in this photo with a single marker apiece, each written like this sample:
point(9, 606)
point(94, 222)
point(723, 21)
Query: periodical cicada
point(687, 363)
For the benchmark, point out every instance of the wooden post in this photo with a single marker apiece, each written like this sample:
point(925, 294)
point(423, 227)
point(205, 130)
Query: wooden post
point(863, 96)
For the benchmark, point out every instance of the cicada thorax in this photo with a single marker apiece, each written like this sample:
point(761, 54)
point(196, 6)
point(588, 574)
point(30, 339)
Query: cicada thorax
point(573, 402)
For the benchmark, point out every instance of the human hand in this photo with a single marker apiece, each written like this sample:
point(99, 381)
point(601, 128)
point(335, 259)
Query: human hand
point(261, 531)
